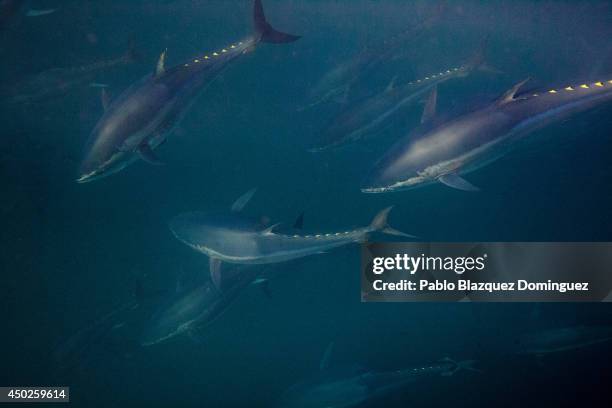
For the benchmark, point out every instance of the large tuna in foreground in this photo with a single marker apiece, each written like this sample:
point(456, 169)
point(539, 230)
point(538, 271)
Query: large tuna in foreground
point(233, 240)
point(143, 116)
point(353, 388)
point(443, 152)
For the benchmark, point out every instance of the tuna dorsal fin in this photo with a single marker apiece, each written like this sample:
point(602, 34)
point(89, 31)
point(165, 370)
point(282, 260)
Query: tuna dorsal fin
point(264, 31)
point(105, 99)
point(509, 95)
point(270, 229)
point(299, 222)
point(243, 200)
point(161, 64)
point(430, 106)
point(478, 57)
point(391, 85)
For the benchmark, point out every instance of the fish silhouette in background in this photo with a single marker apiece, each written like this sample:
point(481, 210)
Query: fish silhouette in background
point(345, 388)
point(57, 82)
point(337, 83)
point(11, 10)
point(374, 114)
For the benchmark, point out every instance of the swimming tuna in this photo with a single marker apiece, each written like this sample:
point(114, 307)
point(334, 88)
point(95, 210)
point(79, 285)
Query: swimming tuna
point(443, 152)
point(56, 82)
point(336, 83)
point(11, 9)
point(241, 241)
point(356, 388)
point(373, 115)
point(142, 117)
point(564, 339)
point(193, 311)
point(106, 337)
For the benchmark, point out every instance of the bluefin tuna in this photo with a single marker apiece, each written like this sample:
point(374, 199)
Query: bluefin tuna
point(193, 311)
point(357, 388)
point(372, 115)
point(445, 151)
point(240, 241)
point(11, 9)
point(142, 117)
point(336, 83)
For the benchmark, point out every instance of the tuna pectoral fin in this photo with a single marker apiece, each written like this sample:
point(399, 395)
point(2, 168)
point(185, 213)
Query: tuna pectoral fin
point(456, 182)
point(147, 155)
point(380, 223)
point(265, 31)
point(214, 265)
point(264, 284)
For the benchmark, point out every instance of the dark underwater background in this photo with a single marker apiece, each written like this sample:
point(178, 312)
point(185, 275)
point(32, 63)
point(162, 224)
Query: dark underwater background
point(72, 254)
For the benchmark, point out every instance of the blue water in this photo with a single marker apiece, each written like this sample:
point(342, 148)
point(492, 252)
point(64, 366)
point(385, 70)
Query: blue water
point(70, 254)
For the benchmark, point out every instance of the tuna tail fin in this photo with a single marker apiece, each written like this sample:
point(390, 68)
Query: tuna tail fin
point(380, 223)
point(467, 365)
point(264, 284)
point(478, 61)
point(265, 32)
point(478, 58)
